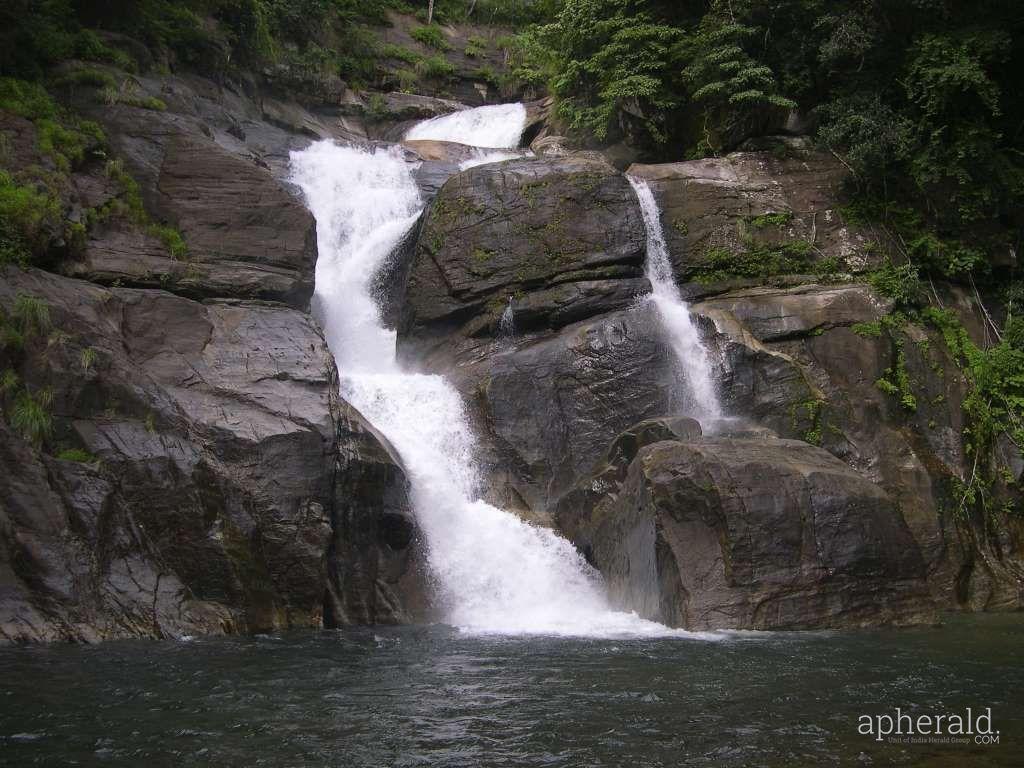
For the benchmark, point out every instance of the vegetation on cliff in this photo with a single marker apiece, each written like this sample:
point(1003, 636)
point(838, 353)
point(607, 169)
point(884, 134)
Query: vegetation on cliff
point(918, 99)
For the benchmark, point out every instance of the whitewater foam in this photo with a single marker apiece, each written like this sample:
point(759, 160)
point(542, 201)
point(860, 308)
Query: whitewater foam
point(699, 396)
point(494, 127)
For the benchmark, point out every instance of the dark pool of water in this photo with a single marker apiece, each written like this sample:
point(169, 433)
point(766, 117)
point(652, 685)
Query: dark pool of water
point(427, 696)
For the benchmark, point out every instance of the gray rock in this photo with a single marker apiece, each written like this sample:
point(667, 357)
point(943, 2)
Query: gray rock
point(712, 205)
point(247, 235)
point(219, 470)
point(549, 406)
point(522, 226)
point(720, 533)
point(795, 364)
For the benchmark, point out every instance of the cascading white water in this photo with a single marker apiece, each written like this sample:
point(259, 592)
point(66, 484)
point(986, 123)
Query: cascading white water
point(701, 401)
point(494, 127)
point(507, 324)
point(485, 156)
point(494, 573)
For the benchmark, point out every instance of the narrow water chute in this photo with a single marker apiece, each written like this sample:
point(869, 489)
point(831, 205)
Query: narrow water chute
point(700, 398)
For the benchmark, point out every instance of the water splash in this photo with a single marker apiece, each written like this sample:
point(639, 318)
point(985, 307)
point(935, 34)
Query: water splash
point(507, 323)
point(700, 396)
point(494, 573)
point(485, 156)
point(494, 127)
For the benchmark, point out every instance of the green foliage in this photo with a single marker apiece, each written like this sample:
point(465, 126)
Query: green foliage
point(900, 283)
point(766, 220)
point(487, 75)
point(128, 206)
point(85, 77)
point(171, 238)
point(810, 413)
point(719, 264)
point(27, 218)
point(392, 51)
point(87, 359)
point(31, 315)
point(31, 215)
point(920, 100)
point(994, 405)
point(475, 46)
point(729, 85)
point(868, 330)
point(896, 380)
point(30, 416)
point(77, 455)
point(8, 381)
point(431, 36)
point(436, 67)
point(606, 59)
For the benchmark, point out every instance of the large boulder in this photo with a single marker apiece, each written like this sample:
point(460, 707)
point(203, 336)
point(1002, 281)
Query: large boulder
point(565, 236)
point(549, 406)
point(720, 533)
point(374, 565)
point(200, 475)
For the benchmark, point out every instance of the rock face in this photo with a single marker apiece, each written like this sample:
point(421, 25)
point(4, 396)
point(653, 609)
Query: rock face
point(762, 534)
point(565, 240)
point(374, 564)
point(746, 200)
point(798, 360)
point(806, 361)
point(200, 474)
point(567, 232)
point(247, 235)
point(208, 469)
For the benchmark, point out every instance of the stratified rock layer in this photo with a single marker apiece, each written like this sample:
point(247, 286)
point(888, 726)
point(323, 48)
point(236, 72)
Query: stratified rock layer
point(212, 468)
point(756, 534)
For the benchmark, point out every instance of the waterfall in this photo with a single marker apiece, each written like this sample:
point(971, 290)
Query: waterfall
point(492, 571)
point(485, 156)
point(700, 398)
point(495, 127)
point(507, 324)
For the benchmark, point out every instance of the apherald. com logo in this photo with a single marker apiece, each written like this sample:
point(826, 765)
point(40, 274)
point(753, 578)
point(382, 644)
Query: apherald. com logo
point(903, 728)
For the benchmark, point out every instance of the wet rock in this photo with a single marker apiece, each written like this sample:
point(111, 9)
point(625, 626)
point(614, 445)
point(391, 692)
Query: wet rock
point(210, 467)
point(549, 406)
point(375, 566)
point(755, 534)
point(410, 106)
point(788, 195)
point(805, 362)
point(773, 314)
point(521, 227)
point(247, 235)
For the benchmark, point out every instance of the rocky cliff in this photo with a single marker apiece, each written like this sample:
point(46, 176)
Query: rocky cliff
point(192, 469)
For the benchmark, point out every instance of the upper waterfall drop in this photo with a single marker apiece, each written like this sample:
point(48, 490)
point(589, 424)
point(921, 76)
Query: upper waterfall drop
point(499, 126)
point(493, 572)
point(701, 397)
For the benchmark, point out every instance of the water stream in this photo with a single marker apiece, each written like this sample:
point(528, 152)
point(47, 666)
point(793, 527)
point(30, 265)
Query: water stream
point(494, 127)
point(493, 572)
point(700, 399)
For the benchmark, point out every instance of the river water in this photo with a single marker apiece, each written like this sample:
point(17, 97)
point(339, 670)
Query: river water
point(430, 696)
